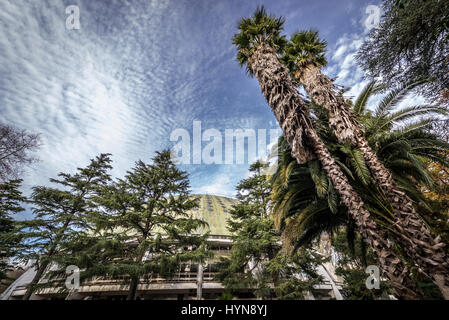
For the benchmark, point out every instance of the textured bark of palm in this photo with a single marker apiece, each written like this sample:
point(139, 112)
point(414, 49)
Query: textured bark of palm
point(416, 238)
point(288, 107)
point(322, 90)
point(376, 237)
point(297, 125)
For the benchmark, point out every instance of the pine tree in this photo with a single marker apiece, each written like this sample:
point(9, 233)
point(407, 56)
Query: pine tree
point(144, 229)
point(11, 199)
point(59, 215)
point(256, 260)
point(410, 42)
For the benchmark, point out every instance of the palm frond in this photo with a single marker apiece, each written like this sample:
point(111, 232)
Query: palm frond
point(392, 99)
point(359, 164)
point(261, 28)
point(370, 89)
point(415, 111)
point(319, 178)
point(305, 47)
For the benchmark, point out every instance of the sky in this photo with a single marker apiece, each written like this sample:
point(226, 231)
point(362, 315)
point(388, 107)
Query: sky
point(135, 71)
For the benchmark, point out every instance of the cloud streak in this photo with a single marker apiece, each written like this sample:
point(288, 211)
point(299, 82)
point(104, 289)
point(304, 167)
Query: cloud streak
point(136, 71)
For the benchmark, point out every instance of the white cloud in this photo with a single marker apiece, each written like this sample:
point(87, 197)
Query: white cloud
point(61, 84)
point(343, 65)
point(103, 88)
point(222, 185)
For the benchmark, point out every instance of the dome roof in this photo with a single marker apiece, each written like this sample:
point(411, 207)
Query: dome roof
point(215, 211)
point(212, 209)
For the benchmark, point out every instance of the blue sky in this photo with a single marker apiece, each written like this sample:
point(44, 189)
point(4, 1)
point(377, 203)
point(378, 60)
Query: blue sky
point(137, 70)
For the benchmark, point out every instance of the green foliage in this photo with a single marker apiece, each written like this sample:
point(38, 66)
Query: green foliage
point(357, 161)
point(304, 48)
point(297, 274)
point(404, 143)
point(11, 200)
point(303, 205)
point(143, 226)
point(354, 257)
point(226, 296)
point(411, 42)
point(359, 106)
point(304, 201)
point(260, 29)
point(256, 261)
point(254, 240)
point(300, 195)
point(60, 214)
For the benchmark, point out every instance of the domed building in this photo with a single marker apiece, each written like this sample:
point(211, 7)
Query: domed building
point(192, 281)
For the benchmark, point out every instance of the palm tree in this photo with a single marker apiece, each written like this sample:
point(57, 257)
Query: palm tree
point(304, 203)
point(304, 56)
point(303, 200)
point(258, 42)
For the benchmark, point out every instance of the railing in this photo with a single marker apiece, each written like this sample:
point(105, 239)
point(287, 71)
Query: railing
point(179, 277)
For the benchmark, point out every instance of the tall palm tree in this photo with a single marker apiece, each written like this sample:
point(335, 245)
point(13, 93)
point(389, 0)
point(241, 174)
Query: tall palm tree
point(304, 203)
point(257, 42)
point(303, 200)
point(304, 56)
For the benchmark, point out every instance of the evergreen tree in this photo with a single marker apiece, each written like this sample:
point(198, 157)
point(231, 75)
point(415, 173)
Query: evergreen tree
point(256, 260)
point(10, 203)
point(144, 227)
point(410, 42)
point(59, 215)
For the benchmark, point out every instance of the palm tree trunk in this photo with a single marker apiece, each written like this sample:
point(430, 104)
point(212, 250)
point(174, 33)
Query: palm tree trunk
point(322, 90)
point(416, 238)
point(373, 235)
point(295, 121)
point(288, 108)
point(419, 243)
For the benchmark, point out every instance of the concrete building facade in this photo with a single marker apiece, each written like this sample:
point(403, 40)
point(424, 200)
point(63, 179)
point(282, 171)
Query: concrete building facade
point(191, 282)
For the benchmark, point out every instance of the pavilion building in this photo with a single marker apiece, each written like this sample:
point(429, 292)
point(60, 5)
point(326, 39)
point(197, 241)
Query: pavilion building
point(192, 281)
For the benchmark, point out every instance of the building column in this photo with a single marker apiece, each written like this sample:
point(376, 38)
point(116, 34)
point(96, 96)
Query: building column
point(199, 282)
